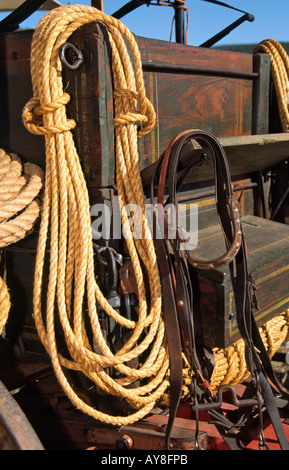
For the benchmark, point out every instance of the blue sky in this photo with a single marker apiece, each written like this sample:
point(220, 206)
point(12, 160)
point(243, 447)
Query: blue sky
point(205, 20)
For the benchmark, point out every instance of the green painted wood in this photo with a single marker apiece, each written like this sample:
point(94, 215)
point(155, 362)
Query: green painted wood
point(247, 154)
point(261, 94)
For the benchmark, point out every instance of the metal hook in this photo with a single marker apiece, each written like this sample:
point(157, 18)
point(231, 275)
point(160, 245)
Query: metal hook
point(75, 55)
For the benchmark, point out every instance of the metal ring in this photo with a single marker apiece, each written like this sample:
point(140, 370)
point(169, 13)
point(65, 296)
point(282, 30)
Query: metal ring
point(77, 56)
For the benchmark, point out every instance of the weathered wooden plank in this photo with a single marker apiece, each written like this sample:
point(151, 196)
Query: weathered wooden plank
point(208, 103)
point(215, 101)
point(159, 51)
point(268, 261)
point(207, 212)
point(246, 155)
point(15, 92)
point(261, 94)
point(197, 91)
point(256, 152)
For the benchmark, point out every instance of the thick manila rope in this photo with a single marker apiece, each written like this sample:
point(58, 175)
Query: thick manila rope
point(72, 291)
point(20, 186)
point(230, 366)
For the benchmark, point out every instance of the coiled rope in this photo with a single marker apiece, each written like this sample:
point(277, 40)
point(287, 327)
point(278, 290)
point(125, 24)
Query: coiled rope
point(73, 292)
point(20, 186)
point(280, 75)
point(230, 366)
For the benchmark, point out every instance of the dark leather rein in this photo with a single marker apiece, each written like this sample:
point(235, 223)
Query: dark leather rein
point(174, 263)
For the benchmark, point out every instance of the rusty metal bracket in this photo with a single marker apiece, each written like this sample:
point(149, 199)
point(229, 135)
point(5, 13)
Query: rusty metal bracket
point(147, 434)
point(219, 400)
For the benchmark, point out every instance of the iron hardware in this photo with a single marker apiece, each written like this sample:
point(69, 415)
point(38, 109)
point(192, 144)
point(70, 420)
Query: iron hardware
point(70, 56)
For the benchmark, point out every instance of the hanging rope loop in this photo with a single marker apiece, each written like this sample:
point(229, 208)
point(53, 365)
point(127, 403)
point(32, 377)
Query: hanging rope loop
point(148, 120)
point(72, 285)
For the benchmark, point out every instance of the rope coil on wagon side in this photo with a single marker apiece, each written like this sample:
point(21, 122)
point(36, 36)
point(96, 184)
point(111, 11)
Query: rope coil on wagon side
point(66, 214)
point(20, 186)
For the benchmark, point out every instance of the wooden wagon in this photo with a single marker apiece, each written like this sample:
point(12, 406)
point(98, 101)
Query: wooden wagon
point(228, 94)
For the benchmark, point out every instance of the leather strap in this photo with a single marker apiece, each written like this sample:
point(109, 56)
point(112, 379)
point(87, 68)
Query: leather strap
point(173, 336)
point(176, 281)
point(170, 320)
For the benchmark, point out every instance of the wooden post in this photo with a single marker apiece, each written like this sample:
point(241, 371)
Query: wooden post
point(97, 4)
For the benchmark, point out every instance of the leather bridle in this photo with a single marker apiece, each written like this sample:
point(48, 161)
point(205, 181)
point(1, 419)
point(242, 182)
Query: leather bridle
point(174, 265)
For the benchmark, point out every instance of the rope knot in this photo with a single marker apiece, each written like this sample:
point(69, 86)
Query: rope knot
point(134, 116)
point(33, 112)
point(129, 118)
